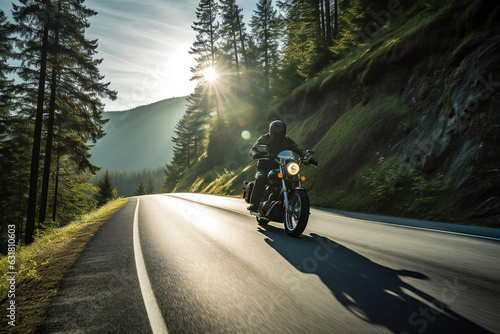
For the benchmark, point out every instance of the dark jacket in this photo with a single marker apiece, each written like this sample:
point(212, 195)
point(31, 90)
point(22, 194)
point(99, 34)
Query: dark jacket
point(274, 146)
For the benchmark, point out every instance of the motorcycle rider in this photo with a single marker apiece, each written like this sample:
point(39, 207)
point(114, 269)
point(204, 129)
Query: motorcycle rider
point(269, 146)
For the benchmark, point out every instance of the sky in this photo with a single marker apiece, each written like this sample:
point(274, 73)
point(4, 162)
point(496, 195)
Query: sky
point(145, 47)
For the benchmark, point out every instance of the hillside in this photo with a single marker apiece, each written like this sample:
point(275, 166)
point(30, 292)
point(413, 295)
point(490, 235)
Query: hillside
point(139, 138)
point(406, 124)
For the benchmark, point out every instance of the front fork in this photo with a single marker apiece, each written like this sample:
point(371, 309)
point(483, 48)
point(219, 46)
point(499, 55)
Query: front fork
point(285, 192)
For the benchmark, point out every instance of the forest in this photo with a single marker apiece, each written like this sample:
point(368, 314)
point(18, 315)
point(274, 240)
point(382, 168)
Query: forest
point(50, 111)
point(242, 72)
point(249, 70)
point(398, 99)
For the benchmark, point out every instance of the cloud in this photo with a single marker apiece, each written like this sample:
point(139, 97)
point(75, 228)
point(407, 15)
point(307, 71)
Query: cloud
point(145, 46)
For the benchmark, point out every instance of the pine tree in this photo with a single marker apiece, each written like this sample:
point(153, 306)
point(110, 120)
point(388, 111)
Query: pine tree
point(150, 186)
point(50, 123)
point(349, 25)
point(15, 169)
point(54, 53)
point(34, 19)
point(204, 47)
point(105, 193)
point(172, 176)
point(140, 190)
point(196, 120)
point(76, 195)
point(305, 51)
point(6, 85)
point(266, 34)
point(79, 104)
point(206, 53)
point(233, 36)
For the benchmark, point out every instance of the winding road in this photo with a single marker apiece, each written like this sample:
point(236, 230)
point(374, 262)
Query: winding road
point(198, 263)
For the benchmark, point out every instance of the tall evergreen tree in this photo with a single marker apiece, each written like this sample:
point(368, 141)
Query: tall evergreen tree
point(206, 27)
point(140, 190)
point(197, 115)
point(206, 53)
point(50, 122)
point(6, 85)
point(150, 186)
point(266, 33)
point(105, 193)
point(52, 40)
point(172, 176)
point(233, 36)
point(74, 73)
point(305, 51)
point(34, 19)
point(15, 169)
point(347, 26)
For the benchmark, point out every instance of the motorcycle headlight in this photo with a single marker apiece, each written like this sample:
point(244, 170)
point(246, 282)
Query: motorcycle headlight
point(293, 168)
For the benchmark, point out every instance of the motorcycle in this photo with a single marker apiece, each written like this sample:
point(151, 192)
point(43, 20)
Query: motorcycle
point(284, 198)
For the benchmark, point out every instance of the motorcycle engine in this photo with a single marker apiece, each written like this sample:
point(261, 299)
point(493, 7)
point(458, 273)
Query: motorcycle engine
point(273, 177)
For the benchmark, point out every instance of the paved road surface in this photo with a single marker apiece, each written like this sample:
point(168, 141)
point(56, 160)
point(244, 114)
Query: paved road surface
point(208, 267)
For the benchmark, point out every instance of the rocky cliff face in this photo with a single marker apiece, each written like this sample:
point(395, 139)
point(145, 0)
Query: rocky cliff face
point(457, 131)
point(448, 75)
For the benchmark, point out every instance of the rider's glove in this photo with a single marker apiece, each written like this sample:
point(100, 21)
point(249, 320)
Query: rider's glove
point(258, 156)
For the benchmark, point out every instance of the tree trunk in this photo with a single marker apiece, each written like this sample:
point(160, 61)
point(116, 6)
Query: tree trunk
point(266, 52)
point(328, 23)
point(322, 21)
point(56, 189)
point(212, 50)
point(35, 154)
point(187, 149)
point(50, 134)
point(242, 40)
point(196, 146)
point(235, 42)
point(336, 18)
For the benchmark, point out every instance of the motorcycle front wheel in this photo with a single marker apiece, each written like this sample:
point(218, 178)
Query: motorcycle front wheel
point(296, 219)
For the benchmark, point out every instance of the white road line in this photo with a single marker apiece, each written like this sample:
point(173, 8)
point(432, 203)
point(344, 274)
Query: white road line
point(154, 314)
point(433, 230)
point(332, 215)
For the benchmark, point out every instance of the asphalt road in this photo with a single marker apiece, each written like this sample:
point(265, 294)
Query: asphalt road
point(208, 267)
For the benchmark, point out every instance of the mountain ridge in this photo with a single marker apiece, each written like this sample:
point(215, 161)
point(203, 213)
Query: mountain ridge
point(140, 137)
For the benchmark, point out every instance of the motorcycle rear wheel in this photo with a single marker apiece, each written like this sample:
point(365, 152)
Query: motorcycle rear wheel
point(296, 219)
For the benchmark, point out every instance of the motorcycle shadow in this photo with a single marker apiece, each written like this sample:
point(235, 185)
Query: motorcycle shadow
point(373, 292)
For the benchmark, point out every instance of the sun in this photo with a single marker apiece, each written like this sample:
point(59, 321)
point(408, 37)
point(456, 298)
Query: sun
point(210, 74)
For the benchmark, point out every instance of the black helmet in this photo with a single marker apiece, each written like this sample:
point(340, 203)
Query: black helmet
point(277, 129)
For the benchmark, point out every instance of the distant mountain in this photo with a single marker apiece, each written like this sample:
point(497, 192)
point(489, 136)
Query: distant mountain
point(139, 138)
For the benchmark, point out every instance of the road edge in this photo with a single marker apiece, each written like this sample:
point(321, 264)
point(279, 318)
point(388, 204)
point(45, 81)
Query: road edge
point(488, 233)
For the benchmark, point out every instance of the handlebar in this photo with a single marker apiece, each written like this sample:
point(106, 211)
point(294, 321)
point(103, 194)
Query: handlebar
point(306, 160)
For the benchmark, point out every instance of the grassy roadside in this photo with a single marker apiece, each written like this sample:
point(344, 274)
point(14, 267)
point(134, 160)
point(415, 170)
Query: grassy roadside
point(41, 266)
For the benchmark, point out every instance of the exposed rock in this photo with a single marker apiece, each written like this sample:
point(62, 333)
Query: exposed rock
point(454, 98)
point(490, 207)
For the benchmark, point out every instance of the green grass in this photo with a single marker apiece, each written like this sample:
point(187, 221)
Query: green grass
point(423, 38)
point(390, 43)
point(41, 265)
point(364, 122)
point(301, 131)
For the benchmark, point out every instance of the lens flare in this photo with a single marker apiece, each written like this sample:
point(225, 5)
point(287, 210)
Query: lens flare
point(246, 135)
point(210, 74)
